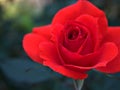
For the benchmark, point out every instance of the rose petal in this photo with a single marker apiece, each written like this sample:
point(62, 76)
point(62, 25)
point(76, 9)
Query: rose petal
point(44, 31)
point(73, 11)
point(92, 60)
point(83, 61)
point(113, 35)
point(109, 52)
point(78, 68)
point(31, 42)
point(64, 71)
point(91, 24)
point(87, 47)
point(105, 57)
point(57, 35)
point(51, 57)
point(49, 52)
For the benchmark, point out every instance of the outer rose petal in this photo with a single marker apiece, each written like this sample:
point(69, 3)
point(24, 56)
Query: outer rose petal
point(114, 36)
point(73, 11)
point(51, 57)
point(48, 52)
point(64, 71)
point(90, 61)
point(31, 41)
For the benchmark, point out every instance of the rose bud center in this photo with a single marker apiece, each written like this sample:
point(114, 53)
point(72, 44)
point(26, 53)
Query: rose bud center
point(75, 35)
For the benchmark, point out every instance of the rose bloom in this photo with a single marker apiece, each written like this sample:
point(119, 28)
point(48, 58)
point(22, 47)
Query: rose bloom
point(78, 40)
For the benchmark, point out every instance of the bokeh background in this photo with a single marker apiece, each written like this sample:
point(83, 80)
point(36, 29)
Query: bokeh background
point(17, 70)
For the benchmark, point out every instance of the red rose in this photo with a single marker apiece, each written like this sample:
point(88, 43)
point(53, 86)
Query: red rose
point(77, 40)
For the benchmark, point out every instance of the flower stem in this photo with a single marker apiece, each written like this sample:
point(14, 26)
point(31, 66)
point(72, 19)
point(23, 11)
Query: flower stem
point(78, 84)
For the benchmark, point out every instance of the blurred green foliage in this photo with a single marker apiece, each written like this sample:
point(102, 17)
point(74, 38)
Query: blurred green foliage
point(18, 72)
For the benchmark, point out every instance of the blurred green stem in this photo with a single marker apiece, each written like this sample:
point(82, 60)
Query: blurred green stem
point(78, 84)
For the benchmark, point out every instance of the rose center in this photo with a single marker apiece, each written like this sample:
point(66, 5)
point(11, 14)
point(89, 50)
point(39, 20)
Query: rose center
point(73, 34)
point(76, 33)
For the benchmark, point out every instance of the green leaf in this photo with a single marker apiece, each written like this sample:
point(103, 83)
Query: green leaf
point(20, 72)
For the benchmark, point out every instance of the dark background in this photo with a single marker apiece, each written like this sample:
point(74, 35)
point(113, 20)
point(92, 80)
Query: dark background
point(17, 70)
